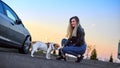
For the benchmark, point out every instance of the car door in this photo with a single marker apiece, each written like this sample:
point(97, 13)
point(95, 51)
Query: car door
point(14, 34)
point(3, 25)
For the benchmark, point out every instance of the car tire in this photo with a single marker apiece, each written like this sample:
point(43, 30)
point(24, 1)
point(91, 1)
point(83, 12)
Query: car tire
point(26, 46)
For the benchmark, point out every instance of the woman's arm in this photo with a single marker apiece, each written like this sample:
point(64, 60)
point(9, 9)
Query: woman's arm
point(80, 37)
point(69, 41)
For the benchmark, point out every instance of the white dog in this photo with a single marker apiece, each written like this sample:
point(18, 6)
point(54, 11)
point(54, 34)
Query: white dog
point(47, 47)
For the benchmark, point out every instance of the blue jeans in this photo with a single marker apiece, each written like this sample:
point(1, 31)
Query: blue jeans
point(72, 49)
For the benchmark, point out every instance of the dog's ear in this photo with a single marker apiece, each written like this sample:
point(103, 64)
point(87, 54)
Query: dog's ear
point(47, 43)
point(55, 45)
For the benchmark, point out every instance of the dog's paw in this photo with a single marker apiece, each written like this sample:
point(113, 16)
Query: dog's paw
point(48, 58)
point(32, 55)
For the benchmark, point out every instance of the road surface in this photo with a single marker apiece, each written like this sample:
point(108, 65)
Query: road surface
point(10, 58)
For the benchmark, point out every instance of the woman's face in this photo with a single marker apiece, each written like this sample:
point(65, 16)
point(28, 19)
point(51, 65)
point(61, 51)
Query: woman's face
point(73, 23)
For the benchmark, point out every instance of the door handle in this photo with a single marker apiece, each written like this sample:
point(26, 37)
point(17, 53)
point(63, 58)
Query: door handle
point(12, 23)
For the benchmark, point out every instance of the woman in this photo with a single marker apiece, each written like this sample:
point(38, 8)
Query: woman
point(75, 44)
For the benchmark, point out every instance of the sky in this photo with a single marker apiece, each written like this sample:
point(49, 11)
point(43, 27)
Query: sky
point(47, 21)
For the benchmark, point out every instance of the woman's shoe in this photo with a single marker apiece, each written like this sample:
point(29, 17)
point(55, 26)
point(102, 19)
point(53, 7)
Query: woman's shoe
point(79, 59)
point(61, 57)
point(59, 52)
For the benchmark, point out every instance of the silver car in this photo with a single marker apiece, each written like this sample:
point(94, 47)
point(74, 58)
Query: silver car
point(12, 31)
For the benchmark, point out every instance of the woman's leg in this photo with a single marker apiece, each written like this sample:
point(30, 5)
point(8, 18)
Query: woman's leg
point(60, 50)
point(74, 50)
point(63, 42)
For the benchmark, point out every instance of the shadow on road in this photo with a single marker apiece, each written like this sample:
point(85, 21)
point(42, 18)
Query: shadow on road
point(10, 50)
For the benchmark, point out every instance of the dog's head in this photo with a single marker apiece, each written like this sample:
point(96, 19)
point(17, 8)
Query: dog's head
point(56, 46)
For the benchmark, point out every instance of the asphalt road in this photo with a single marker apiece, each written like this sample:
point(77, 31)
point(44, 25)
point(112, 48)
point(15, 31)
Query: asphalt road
point(10, 58)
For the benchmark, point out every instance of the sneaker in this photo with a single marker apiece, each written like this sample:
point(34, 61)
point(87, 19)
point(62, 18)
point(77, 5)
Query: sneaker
point(61, 57)
point(79, 59)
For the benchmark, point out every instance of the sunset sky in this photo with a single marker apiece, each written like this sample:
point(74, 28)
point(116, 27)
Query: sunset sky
point(47, 20)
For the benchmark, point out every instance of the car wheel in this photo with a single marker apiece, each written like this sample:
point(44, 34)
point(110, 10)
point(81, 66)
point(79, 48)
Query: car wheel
point(26, 46)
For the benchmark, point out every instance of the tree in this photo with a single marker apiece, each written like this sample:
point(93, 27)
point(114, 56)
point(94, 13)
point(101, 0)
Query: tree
point(111, 59)
point(93, 55)
point(89, 48)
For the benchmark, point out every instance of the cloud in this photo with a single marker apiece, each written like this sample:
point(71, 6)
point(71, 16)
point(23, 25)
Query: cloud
point(93, 25)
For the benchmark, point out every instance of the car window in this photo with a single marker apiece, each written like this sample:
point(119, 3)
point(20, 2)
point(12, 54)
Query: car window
point(10, 13)
point(1, 8)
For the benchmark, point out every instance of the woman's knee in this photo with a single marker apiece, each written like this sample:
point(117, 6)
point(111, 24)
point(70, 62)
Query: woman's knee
point(83, 49)
point(64, 49)
point(69, 50)
point(63, 41)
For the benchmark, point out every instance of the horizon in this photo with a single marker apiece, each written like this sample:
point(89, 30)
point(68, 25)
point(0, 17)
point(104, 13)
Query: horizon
point(48, 21)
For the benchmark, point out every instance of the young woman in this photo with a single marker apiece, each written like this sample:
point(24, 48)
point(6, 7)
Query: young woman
point(75, 44)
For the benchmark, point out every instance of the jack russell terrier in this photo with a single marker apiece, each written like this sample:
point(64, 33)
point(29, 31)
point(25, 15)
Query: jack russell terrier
point(47, 47)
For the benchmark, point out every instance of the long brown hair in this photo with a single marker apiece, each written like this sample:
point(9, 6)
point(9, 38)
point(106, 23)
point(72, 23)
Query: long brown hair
point(70, 30)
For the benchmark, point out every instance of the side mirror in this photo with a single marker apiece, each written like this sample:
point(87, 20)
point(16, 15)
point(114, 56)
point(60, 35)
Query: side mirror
point(18, 22)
